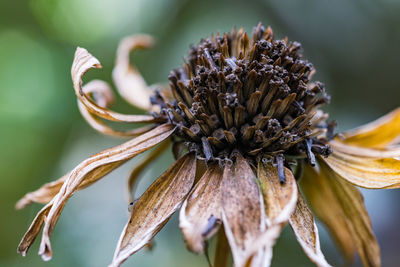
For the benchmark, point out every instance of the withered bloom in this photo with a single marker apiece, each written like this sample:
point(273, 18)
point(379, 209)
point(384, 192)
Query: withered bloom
point(247, 133)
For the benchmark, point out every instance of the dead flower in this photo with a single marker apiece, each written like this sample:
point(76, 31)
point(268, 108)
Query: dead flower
point(245, 125)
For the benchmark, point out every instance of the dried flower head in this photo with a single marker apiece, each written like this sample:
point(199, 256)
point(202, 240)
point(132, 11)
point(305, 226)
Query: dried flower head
point(247, 132)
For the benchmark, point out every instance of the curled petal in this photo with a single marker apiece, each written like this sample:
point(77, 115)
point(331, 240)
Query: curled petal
point(46, 192)
point(84, 61)
point(155, 207)
point(42, 195)
point(376, 134)
point(92, 170)
point(280, 198)
point(200, 215)
point(130, 84)
point(306, 232)
point(349, 206)
point(243, 210)
point(33, 231)
point(102, 95)
point(143, 164)
point(369, 168)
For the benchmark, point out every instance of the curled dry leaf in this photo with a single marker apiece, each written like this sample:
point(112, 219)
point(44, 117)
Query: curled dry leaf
point(129, 82)
point(200, 215)
point(90, 171)
point(84, 61)
point(365, 167)
point(155, 207)
point(323, 201)
point(376, 134)
point(243, 210)
point(102, 95)
point(306, 232)
point(353, 209)
point(280, 198)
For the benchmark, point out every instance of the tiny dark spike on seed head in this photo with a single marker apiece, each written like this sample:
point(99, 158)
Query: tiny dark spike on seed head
point(252, 95)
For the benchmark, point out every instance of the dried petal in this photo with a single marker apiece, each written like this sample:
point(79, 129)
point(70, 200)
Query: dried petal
point(323, 202)
point(364, 167)
point(352, 209)
point(262, 247)
point(376, 134)
point(155, 206)
point(143, 164)
point(200, 215)
point(306, 232)
point(243, 209)
point(280, 198)
point(129, 82)
point(42, 195)
point(93, 169)
point(222, 250)
point(83, 62)
point(102, 95)
point(33, 231)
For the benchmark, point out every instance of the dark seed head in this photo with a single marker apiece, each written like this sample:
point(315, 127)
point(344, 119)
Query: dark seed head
point(249, 95)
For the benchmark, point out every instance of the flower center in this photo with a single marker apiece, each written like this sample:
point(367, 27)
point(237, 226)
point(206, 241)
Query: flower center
point(253, 96)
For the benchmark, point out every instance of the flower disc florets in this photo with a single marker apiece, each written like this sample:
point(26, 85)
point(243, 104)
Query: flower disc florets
point(252, 96)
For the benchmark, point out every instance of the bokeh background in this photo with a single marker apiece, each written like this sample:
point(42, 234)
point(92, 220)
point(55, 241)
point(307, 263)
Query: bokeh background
point(353, 44)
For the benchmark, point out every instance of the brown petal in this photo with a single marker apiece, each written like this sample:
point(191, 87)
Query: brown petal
point(130, 84)
point(222, 251)
point(93, 169)
point(280, 198)
point(364, 169)
point(200, 215)
point(42, 195)
point(376, 134)
point(352, 209)
point(83, 61)
point(306, 232)
point(243, 209)
point(46, 192)
point(323, 202)
point(33, 231)
point(143, 164)
point(102, 95)
point(155, 206)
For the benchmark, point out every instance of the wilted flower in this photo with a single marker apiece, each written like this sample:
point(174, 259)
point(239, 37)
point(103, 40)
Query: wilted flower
point(247, 132)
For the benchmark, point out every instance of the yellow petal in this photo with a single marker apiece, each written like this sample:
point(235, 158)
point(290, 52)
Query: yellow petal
point(200, 215)
point(306, 232)
point(376, 134)
point(280, 198)
point(243, 210)
point(102, 95)
point(83, 61)
point(130, 84)
point(364, 167)
point(344, 203)
point(92, 170)
point(155, 207)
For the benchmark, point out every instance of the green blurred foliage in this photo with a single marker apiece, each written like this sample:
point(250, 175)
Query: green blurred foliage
point(353, 44)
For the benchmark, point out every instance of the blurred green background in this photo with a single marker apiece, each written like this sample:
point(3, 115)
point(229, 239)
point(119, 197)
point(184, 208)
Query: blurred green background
point(353, 44)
